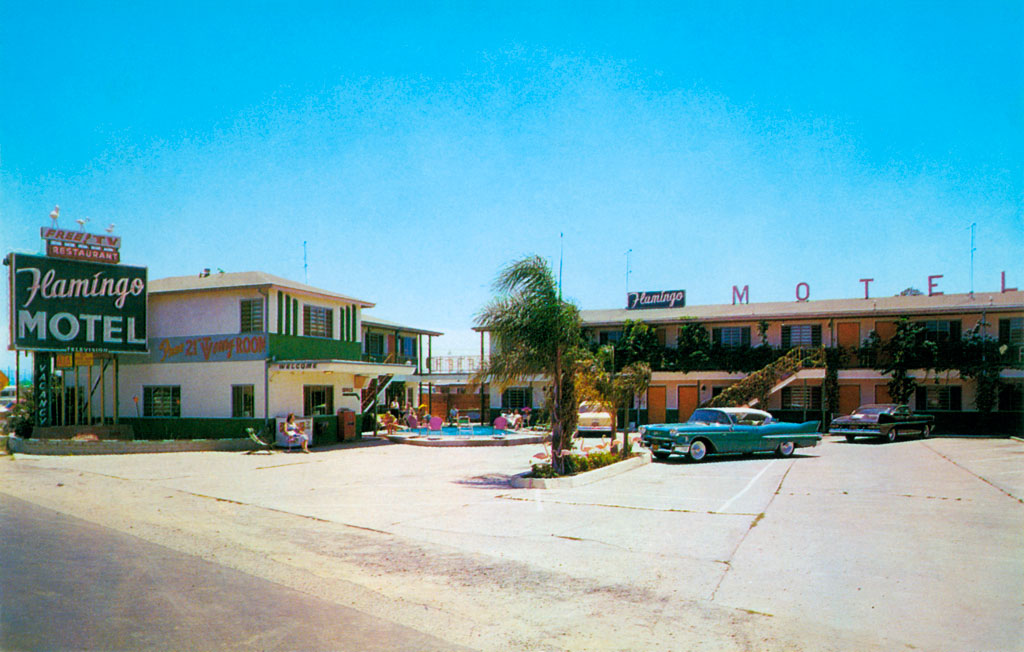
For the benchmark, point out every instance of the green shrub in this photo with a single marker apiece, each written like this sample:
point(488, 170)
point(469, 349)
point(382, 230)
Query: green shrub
point(577, 464)
point(544, 471)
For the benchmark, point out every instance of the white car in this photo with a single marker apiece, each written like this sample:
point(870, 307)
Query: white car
point(594, 420)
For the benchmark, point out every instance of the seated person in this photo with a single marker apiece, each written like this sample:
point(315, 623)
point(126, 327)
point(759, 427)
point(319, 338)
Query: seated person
point(390, 423)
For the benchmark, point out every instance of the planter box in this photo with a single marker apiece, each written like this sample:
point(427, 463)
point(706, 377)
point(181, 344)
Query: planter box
point(522, 482)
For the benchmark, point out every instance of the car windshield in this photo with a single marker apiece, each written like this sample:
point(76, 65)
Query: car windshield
point(590, 407)
point(709, 416)
point(874, 409)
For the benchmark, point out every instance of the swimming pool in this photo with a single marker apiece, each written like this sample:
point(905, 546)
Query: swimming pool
point(452, 431)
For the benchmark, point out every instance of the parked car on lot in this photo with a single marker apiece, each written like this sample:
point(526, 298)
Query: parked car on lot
point(728, 430)
point(885, 420)
point(594, 420)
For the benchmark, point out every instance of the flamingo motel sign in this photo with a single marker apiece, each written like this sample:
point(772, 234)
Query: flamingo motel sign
point(66, 305)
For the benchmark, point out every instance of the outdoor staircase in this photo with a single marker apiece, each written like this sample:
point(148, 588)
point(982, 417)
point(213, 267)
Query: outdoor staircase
point(768, 380)
point(371, 394)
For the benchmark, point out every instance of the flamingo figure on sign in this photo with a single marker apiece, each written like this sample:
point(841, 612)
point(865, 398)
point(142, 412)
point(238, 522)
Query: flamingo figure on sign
point(110, 229)
point(81, 222)
point(54, 214)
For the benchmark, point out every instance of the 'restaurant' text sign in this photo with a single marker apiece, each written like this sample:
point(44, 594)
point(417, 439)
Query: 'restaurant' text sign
point(660, 299)
point(66, 305)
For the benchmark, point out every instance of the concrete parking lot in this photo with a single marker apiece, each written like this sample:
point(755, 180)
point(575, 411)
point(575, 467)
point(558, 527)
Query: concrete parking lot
point(848, 546)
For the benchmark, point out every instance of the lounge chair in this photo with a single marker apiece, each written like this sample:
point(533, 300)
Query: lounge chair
point(435, 426)
point(261, 446)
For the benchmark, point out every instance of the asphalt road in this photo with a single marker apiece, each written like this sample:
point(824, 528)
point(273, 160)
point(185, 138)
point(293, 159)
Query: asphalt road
point(863, 546)
point(67, 584)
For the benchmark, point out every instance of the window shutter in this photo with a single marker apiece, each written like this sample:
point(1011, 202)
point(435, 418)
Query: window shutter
point(787, 337)
point(716, 335)
point(745, 336)
point(921, 399)
point(954, 331)
point(1004, 331)
point(816, 335)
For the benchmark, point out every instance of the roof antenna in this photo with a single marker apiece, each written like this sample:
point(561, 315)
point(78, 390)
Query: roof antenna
point(973, 226)
point(561, 237)
point(305, 265)
point(627, 271)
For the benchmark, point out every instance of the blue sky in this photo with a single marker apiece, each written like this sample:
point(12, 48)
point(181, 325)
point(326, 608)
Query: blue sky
point(417, 148)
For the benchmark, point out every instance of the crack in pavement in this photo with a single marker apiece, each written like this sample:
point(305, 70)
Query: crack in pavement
point(982, 478)
point(677, 510)
point(757, 519)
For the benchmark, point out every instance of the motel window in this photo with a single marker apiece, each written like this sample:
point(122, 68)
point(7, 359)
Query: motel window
point(161, 401)
point(731, 336)
point(317, 399)
point(939, 397)
point(941, 331)
point(252, 316)
point(608, 337)
point(375, 343)
point(515, 398)
point(1011, 334)
point(243, 401)
point(801, 335)
point(1011, 331)
point(1011, 397)
point(801, 398)
point(317, 321)
point(407, 346)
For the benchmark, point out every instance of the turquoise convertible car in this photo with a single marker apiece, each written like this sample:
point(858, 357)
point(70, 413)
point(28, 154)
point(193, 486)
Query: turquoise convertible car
point(728, 430)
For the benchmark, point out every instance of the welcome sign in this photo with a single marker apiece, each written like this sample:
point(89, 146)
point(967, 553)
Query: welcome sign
point(67, 305)
point(659, 299)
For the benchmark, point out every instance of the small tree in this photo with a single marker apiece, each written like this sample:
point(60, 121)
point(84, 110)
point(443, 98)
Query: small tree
point(597, 381)
point(693, 348)
point(981, 361)
point(639, 343)
point(901, 354)
point(534, 332)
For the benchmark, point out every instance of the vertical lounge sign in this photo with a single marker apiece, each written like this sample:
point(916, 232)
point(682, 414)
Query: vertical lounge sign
point(66, 305)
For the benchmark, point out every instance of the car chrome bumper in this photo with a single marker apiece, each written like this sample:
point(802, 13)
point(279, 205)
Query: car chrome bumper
point(681, 449)
point(868, 432)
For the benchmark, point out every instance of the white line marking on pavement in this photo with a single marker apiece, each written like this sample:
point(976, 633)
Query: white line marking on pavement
point(744, 490)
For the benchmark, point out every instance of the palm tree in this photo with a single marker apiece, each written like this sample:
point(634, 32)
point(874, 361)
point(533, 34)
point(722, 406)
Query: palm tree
point(599, 383)
point(535, 333)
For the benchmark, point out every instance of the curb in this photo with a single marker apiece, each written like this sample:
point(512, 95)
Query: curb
point(121, 447)
point(522, 482)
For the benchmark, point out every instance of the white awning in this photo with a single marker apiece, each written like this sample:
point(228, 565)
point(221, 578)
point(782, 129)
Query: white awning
point(341, 367)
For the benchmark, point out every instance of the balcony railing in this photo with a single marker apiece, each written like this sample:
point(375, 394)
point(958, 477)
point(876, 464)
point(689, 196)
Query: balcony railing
point(455, 364)
point(389, 358)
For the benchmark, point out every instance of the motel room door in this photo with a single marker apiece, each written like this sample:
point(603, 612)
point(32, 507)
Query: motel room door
point(882, 394)
point(689, 397)
point(849, 399)
point(656, 404)
point(849, 338)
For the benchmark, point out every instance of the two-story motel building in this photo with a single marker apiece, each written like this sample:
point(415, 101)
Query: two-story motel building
point(847, 323)
point(229, 349)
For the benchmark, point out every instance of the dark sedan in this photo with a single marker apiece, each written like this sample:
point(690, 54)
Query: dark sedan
point(885, 420)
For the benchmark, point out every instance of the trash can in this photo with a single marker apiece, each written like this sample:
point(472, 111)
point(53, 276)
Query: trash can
point(346, 425)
